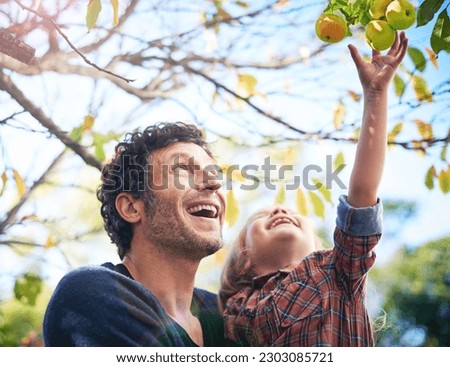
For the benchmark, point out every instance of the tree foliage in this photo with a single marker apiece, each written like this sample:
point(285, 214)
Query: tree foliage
point(417, 296)
point(76, 75)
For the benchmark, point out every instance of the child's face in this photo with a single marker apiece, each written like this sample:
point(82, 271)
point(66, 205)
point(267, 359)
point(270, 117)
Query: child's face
point(278, 238)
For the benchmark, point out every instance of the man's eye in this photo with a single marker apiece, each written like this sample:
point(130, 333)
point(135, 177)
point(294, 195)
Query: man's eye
point(180, 167)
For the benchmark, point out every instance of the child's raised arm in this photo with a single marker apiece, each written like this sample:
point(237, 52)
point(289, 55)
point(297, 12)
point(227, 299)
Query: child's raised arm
point(375, 77)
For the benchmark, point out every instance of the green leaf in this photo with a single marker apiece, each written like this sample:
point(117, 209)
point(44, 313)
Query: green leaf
point(443, 153)
point(440, 37)
point(399, 86)
point(115, 6)
point(77, 133)
point(93, 10)
point(27, 288)
point(300, 201)
point(232, 209)
point(281, 195)
point(242, 4)
point(318, 205)
point(4, 179)
point(397, 129)
point(323, 190)
point(339, 160)
point(429, 178)
point(417, 58)
point(427, 10)
point(444, 180)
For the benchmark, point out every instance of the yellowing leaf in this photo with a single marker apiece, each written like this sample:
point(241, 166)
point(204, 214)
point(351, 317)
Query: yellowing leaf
point(281, 195)
point(115, 6)
point(247, 84)
point(4, 179)
point(88, 122)
point(338, 115)
point(339, 160)
point(20, 183)
point(444, 180)
point(429, 178)
point(221, 255)
point(423, 92)
point(50, 242)
point(286, 156)
point(433, 57)
point(302, 207)
point(425, 129)
point(30, 217)
point(323, 190)
point(317, 203)
point(355, 96)
point(231, 172)
point(290, 156)
point(232, 211)
point(281, 3)
point(93, 10)
point(356, 133)
point(418, 147)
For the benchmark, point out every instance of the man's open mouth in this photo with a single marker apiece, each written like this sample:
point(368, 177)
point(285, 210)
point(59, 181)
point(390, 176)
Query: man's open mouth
point(204, 210)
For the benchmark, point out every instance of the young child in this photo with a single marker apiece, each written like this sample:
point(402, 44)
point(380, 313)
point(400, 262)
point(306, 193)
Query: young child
point(278, 288)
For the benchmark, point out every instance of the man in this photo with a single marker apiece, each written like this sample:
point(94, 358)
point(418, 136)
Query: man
point(163, 209)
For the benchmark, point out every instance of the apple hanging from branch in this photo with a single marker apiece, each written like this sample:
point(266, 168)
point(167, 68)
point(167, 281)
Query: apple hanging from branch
point(380, 18)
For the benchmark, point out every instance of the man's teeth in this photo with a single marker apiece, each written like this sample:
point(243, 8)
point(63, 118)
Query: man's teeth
point(280, 221)
point(199, 208)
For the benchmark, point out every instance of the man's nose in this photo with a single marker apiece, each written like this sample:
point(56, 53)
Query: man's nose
point(210, 180)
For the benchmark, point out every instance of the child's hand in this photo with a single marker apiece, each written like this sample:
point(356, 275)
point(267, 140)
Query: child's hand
point(376, 75)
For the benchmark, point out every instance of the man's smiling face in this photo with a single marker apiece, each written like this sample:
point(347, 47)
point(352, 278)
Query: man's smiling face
point(185, 219)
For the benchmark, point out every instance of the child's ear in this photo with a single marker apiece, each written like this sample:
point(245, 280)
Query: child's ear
point(129, 208)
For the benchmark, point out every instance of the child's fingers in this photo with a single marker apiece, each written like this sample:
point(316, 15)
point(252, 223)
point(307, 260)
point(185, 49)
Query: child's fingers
point(375, 53)
point(403, 47)
point(357, 59)
point(396, 45)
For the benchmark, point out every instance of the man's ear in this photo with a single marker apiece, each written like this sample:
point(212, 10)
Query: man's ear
point(129, 208)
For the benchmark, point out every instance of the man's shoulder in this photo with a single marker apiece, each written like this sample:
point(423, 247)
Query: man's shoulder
point(90, 275)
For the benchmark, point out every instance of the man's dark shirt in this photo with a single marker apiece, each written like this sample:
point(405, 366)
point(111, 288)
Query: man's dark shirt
point(105, 306)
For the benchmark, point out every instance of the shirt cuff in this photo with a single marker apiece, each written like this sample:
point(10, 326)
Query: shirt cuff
point(364, 221)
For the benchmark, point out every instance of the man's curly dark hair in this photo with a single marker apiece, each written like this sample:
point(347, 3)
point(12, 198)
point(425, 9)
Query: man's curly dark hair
point(128, 170)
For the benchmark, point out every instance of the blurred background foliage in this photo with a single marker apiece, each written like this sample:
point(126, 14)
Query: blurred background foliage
point(256, 79)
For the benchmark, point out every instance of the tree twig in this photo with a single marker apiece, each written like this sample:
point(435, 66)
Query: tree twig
point(8, 86)
point(71, 45)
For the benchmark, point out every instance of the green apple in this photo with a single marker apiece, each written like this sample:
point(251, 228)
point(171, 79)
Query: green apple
point(400, 14)
point(378, 8)
point(331, 28)
point(379, 35)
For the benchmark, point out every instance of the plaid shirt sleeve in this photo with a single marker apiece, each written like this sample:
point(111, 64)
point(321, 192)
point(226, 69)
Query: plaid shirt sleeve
point(357, 232)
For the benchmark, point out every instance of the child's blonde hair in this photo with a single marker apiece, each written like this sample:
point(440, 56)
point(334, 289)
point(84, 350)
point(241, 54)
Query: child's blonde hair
point(238, 271)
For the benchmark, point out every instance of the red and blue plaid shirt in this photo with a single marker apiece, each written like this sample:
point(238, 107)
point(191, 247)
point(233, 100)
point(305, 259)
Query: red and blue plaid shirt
point(319, 303)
